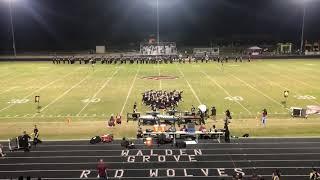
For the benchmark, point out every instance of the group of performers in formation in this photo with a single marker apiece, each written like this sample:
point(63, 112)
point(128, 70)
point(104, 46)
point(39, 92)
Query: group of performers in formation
point(146, 59)
point(161, 99)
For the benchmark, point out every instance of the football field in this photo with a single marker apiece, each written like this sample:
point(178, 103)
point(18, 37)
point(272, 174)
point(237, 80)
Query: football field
point(77, 99)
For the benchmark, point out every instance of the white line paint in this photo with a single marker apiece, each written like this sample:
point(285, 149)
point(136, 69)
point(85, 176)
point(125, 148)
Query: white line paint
point(160, 82)
point(129, 92)
point(250, 86)
point(225, 91)
point(142, 169)
point(192, 90)
point(101, 88)
point(184, 177)
point(204, 155)
point(8, 90)
point(215, 149)
point(45, 86)
point(157, 162)
point(66, 92)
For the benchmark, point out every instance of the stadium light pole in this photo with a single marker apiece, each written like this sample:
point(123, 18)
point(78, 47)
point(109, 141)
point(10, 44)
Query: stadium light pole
point(303, 25)
point(12, 29)
point(158, 33)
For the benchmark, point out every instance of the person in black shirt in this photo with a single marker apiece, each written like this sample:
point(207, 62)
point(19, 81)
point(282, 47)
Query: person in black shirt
point(36, 139)
point(25, 141)
point(227, 133)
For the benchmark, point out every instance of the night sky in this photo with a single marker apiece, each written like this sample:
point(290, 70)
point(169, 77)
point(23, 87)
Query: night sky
point(83, 24)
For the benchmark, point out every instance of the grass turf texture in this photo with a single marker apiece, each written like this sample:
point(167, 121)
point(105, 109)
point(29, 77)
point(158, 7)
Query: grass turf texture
point(63, 87)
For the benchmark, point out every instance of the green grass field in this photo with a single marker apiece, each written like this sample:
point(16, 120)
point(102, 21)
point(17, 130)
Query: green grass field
point(88, 97)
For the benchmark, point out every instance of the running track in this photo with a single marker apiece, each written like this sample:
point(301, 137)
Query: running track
point(68, 159)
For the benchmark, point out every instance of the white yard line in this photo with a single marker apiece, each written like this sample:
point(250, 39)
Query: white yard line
point(225, 91)
point(8, 90)
point(63, 94)
point(250, 86)
point(52, 82)
point(160, 82)
point(301, 82)
point(102, 87)
point(129, 92)
point(297, 80)
point(192, 90)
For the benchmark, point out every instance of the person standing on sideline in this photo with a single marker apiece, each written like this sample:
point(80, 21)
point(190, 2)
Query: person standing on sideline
point(1, 151)
point(102, 169)
point(264, 117)
point(36, 139)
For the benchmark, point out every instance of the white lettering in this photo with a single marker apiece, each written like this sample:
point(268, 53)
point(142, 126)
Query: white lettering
point(139, 153)
point(124, 153)
point(205, 171)
point(117, 175)
point(239, 170)
point(154, 172)
point(162, 158)
point(152, 154)
point(146, 158)
point(85, 174)
point(197, 152)
point(185, 173)
point(171, 173)
point(131, 158)
point(183, 152)
point(177, 158)
point(221, 172)
point(169, 152)
point(192, 158)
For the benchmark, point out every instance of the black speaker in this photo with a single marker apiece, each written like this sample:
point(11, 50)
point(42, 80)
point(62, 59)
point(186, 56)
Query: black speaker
point(181, 144)
point(95, 140)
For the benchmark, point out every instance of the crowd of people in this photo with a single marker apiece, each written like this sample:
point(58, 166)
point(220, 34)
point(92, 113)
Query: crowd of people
point(146, 59)
point(161, 99)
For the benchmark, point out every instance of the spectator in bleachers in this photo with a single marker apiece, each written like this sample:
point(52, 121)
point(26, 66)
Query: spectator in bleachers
point(314, 175)
point(202, 128)
point(276, 175)
point(184, 128)
point(102, 169)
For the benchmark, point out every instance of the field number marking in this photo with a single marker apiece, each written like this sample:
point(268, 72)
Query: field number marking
point(234, 98)
point(18, 101)
point(91, 100)
point(305, 97)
